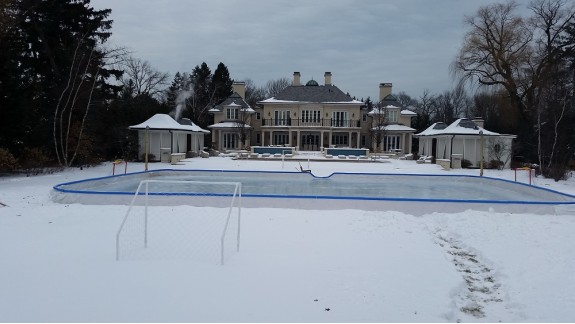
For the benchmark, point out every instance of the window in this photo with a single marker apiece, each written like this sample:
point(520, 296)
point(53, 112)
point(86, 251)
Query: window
point(310, 117)
point(258, 116)
point(339, 139)
point(231, 113)
point(363, 141)
point(230, 140)
point(392, 116)
point(391, 142)
point(339, 119)
point(497, 148)
point(364, 117)
point(281, 117)
point(258, 138)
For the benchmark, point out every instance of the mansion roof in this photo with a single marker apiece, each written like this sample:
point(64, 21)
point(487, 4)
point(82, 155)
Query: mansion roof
point(312, 94)
point(394, 128)
point(229, 124)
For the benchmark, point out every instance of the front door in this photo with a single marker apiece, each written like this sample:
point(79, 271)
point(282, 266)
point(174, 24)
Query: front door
point(310, 142)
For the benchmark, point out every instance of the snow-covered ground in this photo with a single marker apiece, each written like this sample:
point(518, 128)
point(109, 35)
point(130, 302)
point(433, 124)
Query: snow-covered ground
point(58, 261)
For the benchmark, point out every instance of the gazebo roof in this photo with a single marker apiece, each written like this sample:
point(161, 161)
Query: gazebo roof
point(462, 126)
point(165, 122)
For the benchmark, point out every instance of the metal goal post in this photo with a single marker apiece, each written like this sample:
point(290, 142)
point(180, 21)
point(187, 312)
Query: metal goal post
point(143, 190)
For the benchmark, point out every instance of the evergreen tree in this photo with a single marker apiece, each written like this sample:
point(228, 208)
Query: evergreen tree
point(368, 103)
point(115, 140)
point(221, 85)
point(53, 72)
point(173, 91)
point(198, 105)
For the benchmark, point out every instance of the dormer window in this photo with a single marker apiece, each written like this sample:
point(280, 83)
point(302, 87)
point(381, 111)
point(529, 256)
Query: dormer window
point(231, 113)
point(392, 116)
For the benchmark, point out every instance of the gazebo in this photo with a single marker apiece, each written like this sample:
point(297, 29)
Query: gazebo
point(464, 138)
point(167, 136)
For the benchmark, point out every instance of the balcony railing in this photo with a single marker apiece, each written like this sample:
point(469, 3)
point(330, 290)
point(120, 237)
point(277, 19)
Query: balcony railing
point(311, 123)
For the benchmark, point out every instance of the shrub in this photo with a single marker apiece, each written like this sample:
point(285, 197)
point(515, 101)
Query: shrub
point(495, 164)
point(7, 160)
point(33, 161)
point(151, 157)
point(466, 163)
point(87, 153)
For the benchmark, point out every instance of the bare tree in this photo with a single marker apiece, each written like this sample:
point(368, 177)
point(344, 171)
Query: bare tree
point(242, 125)
point(499, 152)
point(424, 110)
point(485, 106)
point(254, 93)
point(452, 104)
point(521, 56)
point(495, 110)
point(146, 79)
point(505, 50)
point(377, 130)
point(425, 105)
point(274, 87)
point(497, 49)
point(406, 100)
point(76, 97)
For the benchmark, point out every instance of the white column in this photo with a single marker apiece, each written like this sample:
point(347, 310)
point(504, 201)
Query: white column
point(403, 148)
point(220, 140)
point(422, 143)
point(476, 150)
point(262, 138)
point(298, 140)
point(349, 139)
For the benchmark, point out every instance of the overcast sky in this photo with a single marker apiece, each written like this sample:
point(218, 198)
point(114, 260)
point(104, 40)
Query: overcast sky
point(410, 43)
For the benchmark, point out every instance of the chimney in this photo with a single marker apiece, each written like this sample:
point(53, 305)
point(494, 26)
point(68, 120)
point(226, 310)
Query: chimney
point(327, 77)
point(296, 77)
point(384, 90)
point(240, 88)
point(479, 121)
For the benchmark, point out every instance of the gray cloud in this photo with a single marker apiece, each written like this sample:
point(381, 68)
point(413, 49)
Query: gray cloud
point(409, 43)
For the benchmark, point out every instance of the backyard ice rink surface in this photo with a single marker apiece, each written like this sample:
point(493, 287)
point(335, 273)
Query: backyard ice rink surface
point(58, 260)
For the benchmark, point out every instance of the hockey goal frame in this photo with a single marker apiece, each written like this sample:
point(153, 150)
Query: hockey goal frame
point(144, 184)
